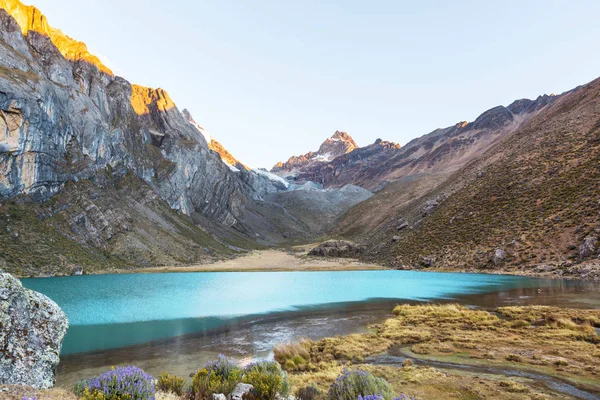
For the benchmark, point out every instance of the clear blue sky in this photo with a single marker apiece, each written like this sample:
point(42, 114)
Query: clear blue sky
point(274, 78)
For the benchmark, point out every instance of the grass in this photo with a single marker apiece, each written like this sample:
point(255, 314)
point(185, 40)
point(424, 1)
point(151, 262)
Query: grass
point(547, 340)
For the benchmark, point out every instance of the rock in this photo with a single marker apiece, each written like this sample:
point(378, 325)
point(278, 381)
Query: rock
point(337, 248)
point(430, 205)
point(407, 362)
point(32, 328)
point(219, 396)
point(76, 271)
point(240, 390)
point(402, 224)
point(427, 261)
point(498, 257)
point(395, 238)
point(588, 247)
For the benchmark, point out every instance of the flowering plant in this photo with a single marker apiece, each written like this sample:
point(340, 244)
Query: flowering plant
point(123, 383)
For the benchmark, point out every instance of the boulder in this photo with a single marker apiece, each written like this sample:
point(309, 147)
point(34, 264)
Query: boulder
point(240, 390)
point(588, 247)
point(32, 328)
point(337, 248)
point(402, 224)
point(498, 256)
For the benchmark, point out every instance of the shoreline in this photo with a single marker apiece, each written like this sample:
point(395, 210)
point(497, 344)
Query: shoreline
point(297, 260)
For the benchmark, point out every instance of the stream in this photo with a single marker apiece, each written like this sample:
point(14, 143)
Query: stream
point(396, 355)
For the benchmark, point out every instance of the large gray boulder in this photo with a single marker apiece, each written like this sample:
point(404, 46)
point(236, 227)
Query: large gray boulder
point(32, 328)
point(588, 247)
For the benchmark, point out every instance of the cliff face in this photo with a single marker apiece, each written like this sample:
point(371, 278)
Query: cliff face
point(97, 173)
point(66, 119)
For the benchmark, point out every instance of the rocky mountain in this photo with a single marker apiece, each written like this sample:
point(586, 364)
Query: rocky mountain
point(529, 200)
point(98, 173)
point(442, 151)
point(338, 144)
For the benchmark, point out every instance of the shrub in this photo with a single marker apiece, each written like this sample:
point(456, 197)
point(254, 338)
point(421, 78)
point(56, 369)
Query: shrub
point(308, 393)
point(218, 376)
point(267, 379)
point(129, 383)
point(351, 384)
point(170, 383)
point(80, 387)
point(293, 356)
point(514, 358)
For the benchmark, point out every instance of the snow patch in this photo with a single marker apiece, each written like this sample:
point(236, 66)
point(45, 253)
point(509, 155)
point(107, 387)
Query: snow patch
point(272, 177)
point(323, 157)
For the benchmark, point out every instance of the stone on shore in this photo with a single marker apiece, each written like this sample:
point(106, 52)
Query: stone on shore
point(32, 328)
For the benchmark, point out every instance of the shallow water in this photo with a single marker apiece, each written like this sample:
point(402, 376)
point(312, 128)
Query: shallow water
point(178, 321)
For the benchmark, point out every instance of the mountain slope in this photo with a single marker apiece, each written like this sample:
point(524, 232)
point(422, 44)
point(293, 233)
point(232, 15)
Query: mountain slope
point(442, 151)
point(530, 199)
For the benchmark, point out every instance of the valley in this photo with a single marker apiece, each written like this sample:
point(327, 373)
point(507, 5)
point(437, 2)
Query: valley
point(137, 252)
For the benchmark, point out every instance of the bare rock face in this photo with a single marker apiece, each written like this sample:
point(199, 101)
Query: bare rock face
point(32, 328)
point(337, 248)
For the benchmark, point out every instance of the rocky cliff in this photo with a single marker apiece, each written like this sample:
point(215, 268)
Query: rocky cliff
point(32, 328)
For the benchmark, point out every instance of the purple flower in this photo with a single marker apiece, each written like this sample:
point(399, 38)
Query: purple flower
point(124, 381)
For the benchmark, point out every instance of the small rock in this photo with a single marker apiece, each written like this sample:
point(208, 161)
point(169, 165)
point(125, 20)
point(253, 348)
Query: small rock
point(76, 271)
point(396, 238)
point(498, 257)
point(402, 224)
point(219, 396)
point(240, 390)
point(407, 362)
point(427, 261)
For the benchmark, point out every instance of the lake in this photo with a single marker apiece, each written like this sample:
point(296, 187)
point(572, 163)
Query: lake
point(177, 320)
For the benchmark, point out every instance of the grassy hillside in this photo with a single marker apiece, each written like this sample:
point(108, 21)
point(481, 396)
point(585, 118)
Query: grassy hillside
point(108, 223)
point(535, 195)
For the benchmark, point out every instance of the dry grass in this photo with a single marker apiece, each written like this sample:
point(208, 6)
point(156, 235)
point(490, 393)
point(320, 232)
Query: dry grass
point(547, 340)
point(18, 392)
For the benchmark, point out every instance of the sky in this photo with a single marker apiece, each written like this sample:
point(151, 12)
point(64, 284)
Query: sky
point(274, 78)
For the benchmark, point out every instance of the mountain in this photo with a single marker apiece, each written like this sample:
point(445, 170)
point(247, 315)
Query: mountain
point(440, 152)
point(338, 144)
point(99, 173)
point(529, 200)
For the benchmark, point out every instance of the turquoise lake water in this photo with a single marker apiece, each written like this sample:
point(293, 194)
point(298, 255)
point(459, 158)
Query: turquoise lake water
point(111, 311)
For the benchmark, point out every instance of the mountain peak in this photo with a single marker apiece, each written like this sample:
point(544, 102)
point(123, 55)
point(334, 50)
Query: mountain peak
point(30, 18)
point(337, 145)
